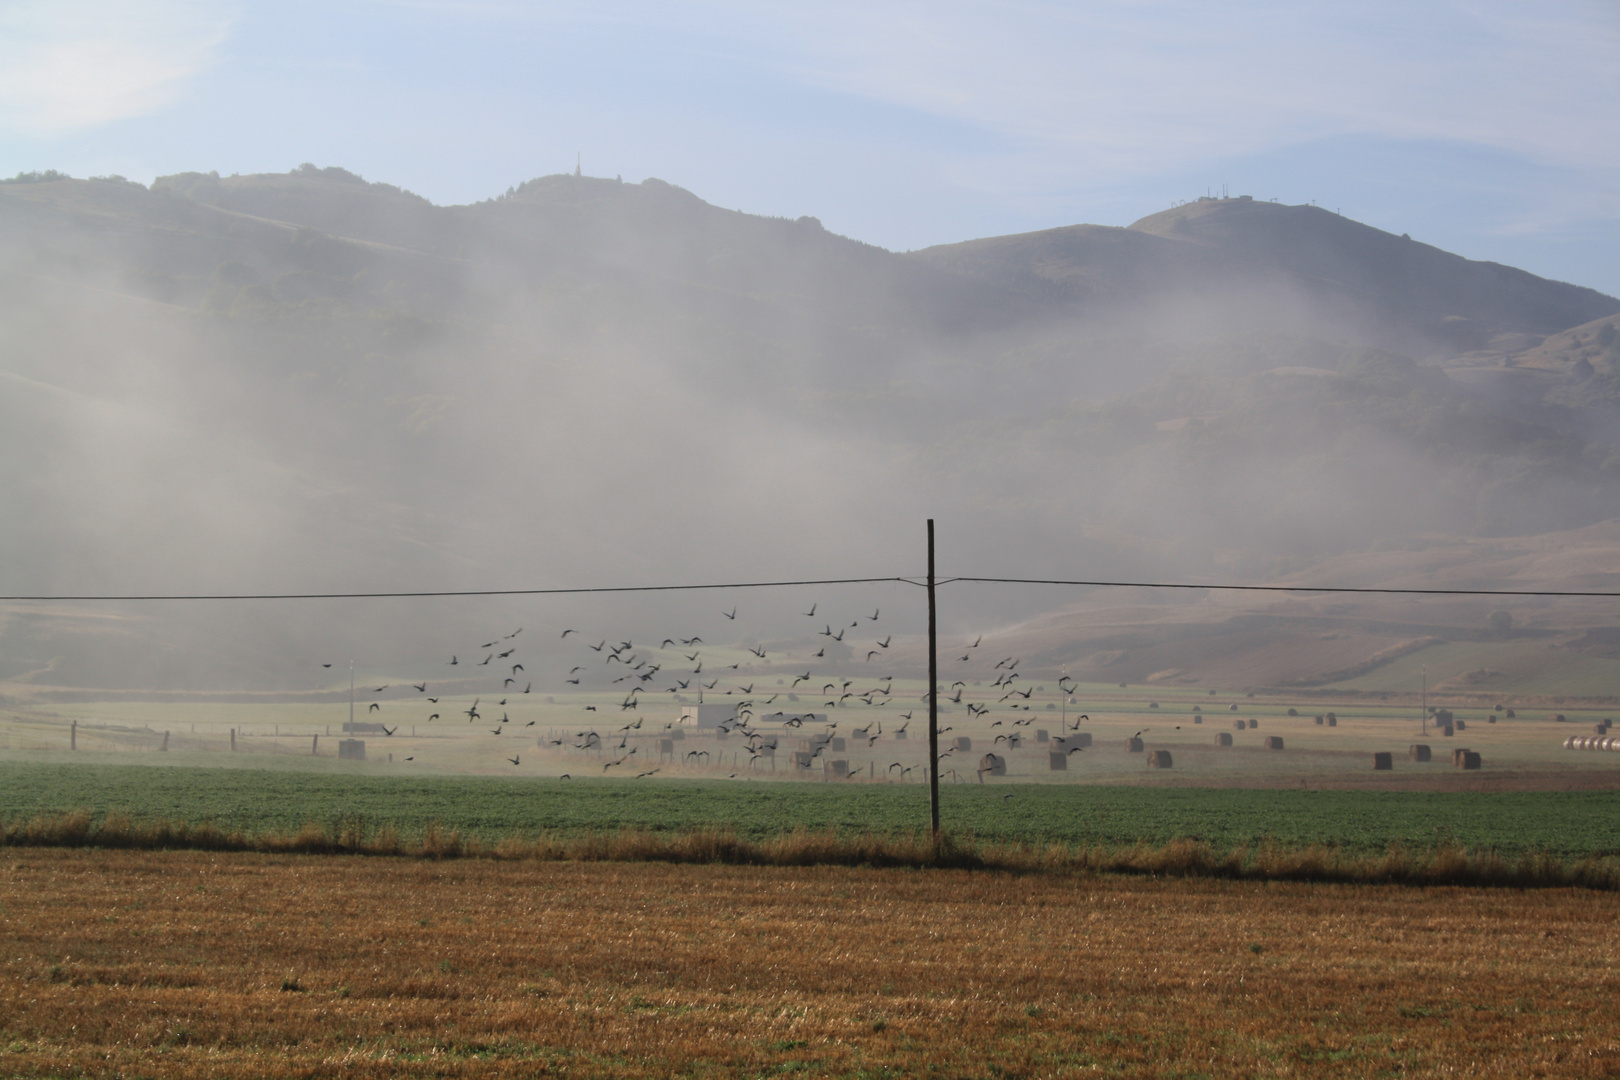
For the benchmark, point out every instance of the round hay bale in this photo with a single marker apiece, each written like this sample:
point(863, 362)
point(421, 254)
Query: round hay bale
point(1198, 708)
point(1274, 742)
point(1569, 743)
point(1418, 752)
point(1332, 721)
point(1223, 738)
point(1159, 759)
point(1383, 761)
point(1510, 714)
point(1232, 707)
point(1459, 724)
point(1253, 723)
point(1197, 719)
point(1241, 725)
point(1470, 760)
point(1293, 712)
point(1133, 745)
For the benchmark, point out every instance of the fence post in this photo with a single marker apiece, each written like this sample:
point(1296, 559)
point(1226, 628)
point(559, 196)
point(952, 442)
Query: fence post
point(233, 740)
point(165, 741)
point(73, 736)
point(315, 746)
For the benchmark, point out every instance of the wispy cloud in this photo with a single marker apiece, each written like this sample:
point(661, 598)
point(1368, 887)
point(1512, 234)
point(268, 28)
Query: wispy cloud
point(1132, 86)
point(66, 65)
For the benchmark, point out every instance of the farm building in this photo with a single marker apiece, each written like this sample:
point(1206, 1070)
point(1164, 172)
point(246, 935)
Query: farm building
point(708, 716)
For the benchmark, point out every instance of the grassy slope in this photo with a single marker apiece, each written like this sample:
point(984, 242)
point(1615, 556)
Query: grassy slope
point(1566, 823)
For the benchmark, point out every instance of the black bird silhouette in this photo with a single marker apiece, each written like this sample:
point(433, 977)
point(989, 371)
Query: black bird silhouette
point(508, 682)
point(874, 614)
point(433, 701)
point(374, 707)
point(565, 776)
point(811, 613)
point(486, 660)
point(504, 655)
point(435, 716)
point(489, 645)
point(598, 646)
point(420, 687)
point(527, 687)
point(514, 759)
point(565, 633)
point(590, 708)
point(387, 730)
point(732, 614)
point(326, 665)
point(380, 689)
point(884, 644)
point(453, 660)
point(513, 634)
point(410, 758)
point(758, 652)
point(517, 668)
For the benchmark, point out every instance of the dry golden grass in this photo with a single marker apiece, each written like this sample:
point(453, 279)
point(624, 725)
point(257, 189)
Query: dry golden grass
point(245, 964)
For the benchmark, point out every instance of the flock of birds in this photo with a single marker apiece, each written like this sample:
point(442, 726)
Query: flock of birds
point(679, 665)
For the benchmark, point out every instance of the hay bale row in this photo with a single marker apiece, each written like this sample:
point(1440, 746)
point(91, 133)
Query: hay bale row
point(1418, 752)
point(1592, 742)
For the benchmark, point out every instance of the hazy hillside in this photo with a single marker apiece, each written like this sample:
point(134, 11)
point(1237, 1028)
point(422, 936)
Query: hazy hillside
point(305, 381)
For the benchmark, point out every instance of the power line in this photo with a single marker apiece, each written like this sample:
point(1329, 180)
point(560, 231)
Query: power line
point(1285, 588)
point(463, 592)
point(428, 594)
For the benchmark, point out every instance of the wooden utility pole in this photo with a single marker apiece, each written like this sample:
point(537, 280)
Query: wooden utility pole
point(933, 693)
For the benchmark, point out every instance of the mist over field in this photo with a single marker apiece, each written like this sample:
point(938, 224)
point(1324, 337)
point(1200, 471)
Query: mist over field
point(306, 382)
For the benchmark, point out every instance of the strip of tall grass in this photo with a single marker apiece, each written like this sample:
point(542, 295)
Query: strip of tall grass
point(1443, 865)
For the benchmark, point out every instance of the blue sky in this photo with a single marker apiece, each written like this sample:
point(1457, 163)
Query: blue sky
point(1488, 128)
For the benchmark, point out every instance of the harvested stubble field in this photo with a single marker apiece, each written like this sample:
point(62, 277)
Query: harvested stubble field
point(191, 964)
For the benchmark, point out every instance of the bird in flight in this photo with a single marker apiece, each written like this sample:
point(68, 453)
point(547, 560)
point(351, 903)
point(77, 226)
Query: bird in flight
point(732, 614)
point(874, 614)
point(453, 660)
point(514, 759)
point(326, 665)
point(811, 614)
point(565, 633)
point(374, 707)
point(421, 688)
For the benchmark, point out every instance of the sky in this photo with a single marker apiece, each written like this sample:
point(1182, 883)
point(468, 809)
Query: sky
point(1488, 127)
